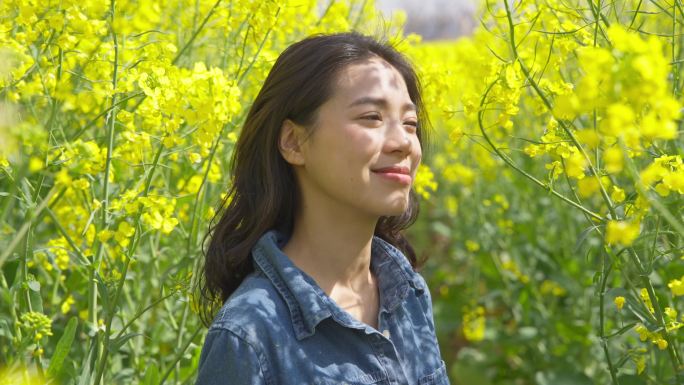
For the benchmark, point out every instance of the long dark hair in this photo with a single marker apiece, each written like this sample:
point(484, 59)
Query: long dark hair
point(263, 192)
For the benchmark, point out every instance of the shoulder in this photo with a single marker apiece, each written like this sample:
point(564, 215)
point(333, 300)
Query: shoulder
point(253, 309)
point(225, 353)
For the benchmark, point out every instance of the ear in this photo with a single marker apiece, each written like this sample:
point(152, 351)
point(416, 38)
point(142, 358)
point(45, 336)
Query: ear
point(289, 142)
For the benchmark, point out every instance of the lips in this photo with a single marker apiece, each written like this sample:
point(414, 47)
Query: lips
point(398, 174)
point(394, 169)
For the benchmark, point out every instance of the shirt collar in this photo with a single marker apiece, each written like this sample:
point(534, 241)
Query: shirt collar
point(307, 302)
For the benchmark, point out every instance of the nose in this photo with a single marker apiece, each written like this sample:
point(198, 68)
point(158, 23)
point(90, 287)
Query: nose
point(398, 140)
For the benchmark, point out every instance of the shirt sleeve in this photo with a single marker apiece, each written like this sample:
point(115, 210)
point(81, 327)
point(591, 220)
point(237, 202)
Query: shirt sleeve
point(228, 359)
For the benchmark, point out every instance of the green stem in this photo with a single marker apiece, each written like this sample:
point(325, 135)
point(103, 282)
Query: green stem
point(27, 224)
point(325, 12)
point(66, 236)
point(674, 357)
point(179, 340)
point(129, 255)
point(256, 55)
point(636, 12)
point(179, 356)
point(103, 113)
point(201, 190)
point(141, 312)
point(104, 223)
point(196, 33)
point(605, 271)
point(675, 81)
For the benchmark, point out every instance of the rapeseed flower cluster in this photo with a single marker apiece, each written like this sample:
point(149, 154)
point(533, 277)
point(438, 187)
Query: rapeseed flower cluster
point(657, 337)
point(474, 323)
point(37, 324)
point(425, 182)
point(665, 174)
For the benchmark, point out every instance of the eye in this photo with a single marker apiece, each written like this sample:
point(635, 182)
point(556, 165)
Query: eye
point(372, 117)
point(413, 124)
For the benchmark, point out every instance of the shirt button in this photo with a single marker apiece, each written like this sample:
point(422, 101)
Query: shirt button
point(386, 333)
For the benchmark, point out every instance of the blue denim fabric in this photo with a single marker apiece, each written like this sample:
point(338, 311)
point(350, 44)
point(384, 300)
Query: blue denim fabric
point(279, 327)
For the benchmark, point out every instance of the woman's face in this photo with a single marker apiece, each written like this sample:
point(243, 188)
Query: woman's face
point(364, 150)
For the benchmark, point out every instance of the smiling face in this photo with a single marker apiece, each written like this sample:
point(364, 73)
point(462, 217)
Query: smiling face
point(364, 150)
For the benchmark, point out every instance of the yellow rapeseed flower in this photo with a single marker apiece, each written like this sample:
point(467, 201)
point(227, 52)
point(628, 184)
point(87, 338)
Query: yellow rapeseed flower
point(575, 164)
point(622, 232)
point(35, 164)
point(612, 158)
point(640, 363)
point(589, 137)
point(619, 302)
point(66, 305)
point(587, 187)
point(670, 313)
point(643, 293)
point(620, 118)
point(425, 181)
point(677, 286)
point(472, 245)
point(474, 324)
point(618, 194)
point(643, 332)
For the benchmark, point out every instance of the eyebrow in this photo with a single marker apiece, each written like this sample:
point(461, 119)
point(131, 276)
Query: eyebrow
point(382, 102)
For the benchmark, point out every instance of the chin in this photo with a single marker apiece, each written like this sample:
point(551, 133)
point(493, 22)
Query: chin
point(395, 209)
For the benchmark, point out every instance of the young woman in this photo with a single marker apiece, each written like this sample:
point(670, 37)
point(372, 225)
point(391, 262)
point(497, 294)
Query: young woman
point(316, 281)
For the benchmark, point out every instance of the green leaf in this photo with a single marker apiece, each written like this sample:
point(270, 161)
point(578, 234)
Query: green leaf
point(151, 375)
point(86, 369)
point(36, 300)
point(583, 237)
point(118, 342)
point(623, 330)
point(63, 348)
point(5, 330)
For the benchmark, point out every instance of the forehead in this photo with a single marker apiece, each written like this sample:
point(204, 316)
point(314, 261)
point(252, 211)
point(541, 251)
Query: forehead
point(373, 76)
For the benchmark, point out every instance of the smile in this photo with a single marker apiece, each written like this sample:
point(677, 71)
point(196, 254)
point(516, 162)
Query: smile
point(395, 173)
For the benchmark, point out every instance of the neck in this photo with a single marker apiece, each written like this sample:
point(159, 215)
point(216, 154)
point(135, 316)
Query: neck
point(334, 252)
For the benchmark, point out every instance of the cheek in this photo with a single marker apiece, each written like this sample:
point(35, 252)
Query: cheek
point(349, 151)
point(361, 145)
point(416, 151)
point(416, 157)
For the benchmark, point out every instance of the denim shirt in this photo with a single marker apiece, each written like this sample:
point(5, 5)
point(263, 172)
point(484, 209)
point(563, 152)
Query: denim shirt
point(279, 328)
